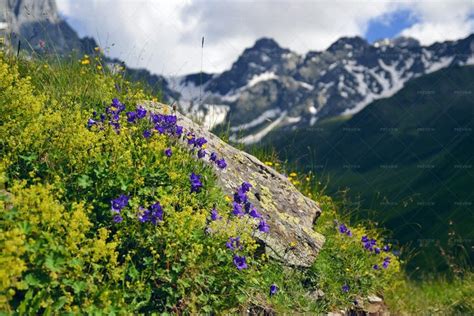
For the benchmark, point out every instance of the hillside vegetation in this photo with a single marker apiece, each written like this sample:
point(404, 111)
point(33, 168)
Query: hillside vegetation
point(102, 211)
point(405, 161)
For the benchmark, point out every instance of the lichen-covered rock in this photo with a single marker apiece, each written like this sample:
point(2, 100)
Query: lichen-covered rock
point(289, 214)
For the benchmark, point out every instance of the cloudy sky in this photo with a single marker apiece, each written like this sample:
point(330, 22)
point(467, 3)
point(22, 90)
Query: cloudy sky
point(165, 35)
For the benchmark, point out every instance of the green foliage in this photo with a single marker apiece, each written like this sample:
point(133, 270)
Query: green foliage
point(62, 252)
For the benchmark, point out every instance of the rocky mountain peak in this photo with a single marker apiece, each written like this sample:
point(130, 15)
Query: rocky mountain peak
point(348, 43)
point(403, 41)
point(266, 43)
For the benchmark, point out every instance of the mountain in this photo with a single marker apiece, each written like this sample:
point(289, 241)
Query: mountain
point(35, 26)
point(407, 161)
point(271, 87)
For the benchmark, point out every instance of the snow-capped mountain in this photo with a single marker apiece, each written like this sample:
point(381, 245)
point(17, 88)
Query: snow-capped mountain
point(271, 87)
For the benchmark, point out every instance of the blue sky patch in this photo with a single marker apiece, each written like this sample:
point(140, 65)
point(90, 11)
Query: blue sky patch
point(389, 25)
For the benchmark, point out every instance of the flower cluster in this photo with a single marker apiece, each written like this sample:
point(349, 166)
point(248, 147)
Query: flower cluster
point(234, 245)
point(196, 183)
point(344, 230)
point(152, 215)
point(117, 205)
point(166, 124)
point(242, 206)
point(112, 115)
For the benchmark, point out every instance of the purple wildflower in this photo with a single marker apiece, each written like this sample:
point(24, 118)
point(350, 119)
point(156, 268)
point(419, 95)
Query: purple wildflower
point(386, 248)
point(156, 213)
point(213, 157)
point(221, 163)
point(349, 233)
point(200, 142)
point(131, 117)
point(141, 112)
point(240, 196)
point(364, 239)
point(196, 183)
point(273, 289)
point(376, 267)
point(377, 250)
point(145, 215)
point(254, 213)
point(342, 228)
point(118, 218)
point(246, 186)
point(201, 153)
point(263, 226)
point(345, 288)
point(168, 152)
point(215, 215)
point(191, 138)
point(237, 209)
point(91, 122)
point(240, 262)
point(234, 243)
point(147, 133)
point(119, 203)
point(179, 130)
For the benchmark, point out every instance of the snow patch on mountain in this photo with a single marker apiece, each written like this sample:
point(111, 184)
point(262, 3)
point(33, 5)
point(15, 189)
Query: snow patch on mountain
point(266, 116)
point(268, 75)
point(254, 138)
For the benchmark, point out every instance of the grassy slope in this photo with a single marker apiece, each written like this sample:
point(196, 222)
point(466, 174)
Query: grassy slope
point(407, 160)
point(82, 262)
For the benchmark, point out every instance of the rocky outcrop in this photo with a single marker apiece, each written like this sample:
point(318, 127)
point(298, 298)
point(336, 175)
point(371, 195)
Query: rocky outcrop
point(289, 213)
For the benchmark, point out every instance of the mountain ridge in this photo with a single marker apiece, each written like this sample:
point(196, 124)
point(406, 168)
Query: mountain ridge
point(281, 89)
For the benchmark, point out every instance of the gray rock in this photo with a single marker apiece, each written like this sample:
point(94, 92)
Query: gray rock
point(289, 213)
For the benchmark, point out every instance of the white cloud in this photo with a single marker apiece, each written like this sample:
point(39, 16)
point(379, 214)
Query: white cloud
point(440, 21)
point(165, 36)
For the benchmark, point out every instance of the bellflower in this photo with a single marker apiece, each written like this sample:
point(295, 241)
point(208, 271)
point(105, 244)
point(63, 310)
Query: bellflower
point(342, 228)
point(273, 289)
point(221, 163)
point(240, 262)
point(263, 226)
point(141, 112)
point(196, 183)
point(386, 248)
point(345, 288)
point(147, 133)
point(237, 209)
point(201, 153)
point(168, 152)
point(200, 142)
point(234, 243)
point(131, 117)
point(91, 122)
point(240, 196)
point(246, 186)
point(118, 218)
point(254, 213)
point(213, 157)
point(215, 215)
point(119, 203)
